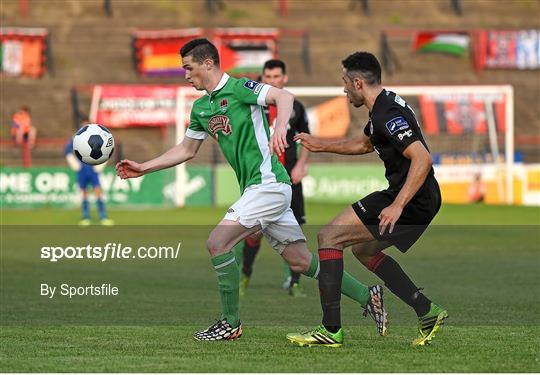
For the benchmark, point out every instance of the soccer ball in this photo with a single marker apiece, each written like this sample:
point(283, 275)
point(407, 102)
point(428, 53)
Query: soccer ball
point(93, 144)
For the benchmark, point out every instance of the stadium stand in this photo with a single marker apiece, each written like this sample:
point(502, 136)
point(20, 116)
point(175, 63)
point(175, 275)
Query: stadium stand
point(93, 47)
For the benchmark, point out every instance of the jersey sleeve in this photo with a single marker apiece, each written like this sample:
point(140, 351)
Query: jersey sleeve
point(68, 148)
point(367, 131)
point(301, 123)
point(395, 127)
point(195, 129)
point(251, 92)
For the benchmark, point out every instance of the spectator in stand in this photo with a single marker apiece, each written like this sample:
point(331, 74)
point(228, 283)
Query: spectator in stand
point(87, 175)
point(22, 130)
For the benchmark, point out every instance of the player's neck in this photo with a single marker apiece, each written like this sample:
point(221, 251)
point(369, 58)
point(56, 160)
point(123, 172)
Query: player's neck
point(371, 96)
point(213, 80)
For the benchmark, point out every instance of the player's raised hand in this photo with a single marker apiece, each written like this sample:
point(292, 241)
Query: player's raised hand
point(128, 169)
point(388, 217)
point(278, 141)
point(310, 142)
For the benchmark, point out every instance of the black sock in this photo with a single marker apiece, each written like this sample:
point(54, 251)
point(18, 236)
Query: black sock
point(399, 283)
point(251, 248)
point(295, 278)
point(330, 275)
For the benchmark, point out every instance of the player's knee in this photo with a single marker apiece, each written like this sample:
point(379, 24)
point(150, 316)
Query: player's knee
point(301, 264)
point(213, 246)
point(325, 235)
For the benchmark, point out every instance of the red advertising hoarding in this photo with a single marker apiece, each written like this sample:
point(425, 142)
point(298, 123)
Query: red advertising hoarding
point(119, 106)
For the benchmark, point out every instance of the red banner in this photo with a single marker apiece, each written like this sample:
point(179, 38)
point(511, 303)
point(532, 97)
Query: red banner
point(119, 106)
point(460, 114)
point(507, 49)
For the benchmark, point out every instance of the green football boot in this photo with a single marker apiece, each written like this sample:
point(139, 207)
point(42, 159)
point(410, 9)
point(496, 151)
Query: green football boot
point(244, 282)
point(106, 222)
point(429, 324)
point(318, 337)
point(84, 222)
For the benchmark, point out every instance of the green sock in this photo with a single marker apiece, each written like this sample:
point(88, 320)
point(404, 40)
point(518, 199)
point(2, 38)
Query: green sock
point(228, 285)
point(238, 251)
point(286, 271)
point(350, 287)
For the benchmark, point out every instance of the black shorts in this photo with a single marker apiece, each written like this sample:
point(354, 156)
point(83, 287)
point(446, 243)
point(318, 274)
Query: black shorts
point(297, 203)
point(414, 219)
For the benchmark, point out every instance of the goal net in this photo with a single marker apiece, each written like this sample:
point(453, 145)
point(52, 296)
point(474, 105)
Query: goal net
point(470, 131)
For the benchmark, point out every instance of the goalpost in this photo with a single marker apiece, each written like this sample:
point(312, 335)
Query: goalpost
point(484, 94)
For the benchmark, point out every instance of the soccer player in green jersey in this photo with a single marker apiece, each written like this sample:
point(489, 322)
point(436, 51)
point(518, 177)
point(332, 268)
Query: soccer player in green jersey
point(231, 112)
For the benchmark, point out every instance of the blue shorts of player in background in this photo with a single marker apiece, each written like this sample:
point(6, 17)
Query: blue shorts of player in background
point(87, 176)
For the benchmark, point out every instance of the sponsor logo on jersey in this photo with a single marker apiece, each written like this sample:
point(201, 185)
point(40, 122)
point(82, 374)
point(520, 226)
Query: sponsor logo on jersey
point(251, 85)
point(258, 88)
point(407, 133)
point(399, 100)
point(397, 124)
point(223, 105)
point(370, 127)
point(362, 208)
point(219, 123)
point(230, 210)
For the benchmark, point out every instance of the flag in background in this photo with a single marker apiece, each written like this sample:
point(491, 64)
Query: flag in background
point(23, 51)
point(456, 44)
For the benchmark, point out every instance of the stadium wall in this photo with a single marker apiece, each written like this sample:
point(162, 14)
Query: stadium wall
point(28, 188)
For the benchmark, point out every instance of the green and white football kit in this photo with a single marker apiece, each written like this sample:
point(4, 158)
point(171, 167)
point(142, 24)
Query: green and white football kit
point(233, 115)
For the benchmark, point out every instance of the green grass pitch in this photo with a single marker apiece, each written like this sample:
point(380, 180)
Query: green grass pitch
point(481, 262)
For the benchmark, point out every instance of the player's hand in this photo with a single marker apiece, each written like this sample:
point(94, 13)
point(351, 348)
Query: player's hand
point(128, 169)
point(298, 172)
point(388, 217)
point(310, 142)
point(278, 141)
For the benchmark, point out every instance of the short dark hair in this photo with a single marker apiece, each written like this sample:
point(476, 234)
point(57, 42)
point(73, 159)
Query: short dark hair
point(200, 50)
point(365, 64)
point(275, 63)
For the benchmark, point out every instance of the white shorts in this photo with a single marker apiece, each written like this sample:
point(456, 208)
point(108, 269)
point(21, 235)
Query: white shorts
point(268, 205)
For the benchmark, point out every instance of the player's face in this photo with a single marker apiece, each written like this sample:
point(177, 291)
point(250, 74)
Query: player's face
point(353, 89)
point(275, 77)
point(196, 73)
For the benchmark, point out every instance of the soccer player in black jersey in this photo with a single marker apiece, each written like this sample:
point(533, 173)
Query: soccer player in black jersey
point(275, 74)
point(396, 216)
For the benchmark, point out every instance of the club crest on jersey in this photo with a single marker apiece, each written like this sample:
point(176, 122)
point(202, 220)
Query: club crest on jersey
point(223, 105)
point(219, 123)
point(397, 124)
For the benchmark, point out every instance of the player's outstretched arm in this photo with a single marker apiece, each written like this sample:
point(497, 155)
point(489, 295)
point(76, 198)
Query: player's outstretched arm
point(283, 100)
point(179, 154)
point(350, 146)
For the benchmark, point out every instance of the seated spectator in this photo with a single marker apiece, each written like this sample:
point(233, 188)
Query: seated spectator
point(22, 129)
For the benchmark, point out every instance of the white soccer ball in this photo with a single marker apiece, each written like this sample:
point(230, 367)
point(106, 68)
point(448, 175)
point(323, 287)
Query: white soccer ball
point(93, 144)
